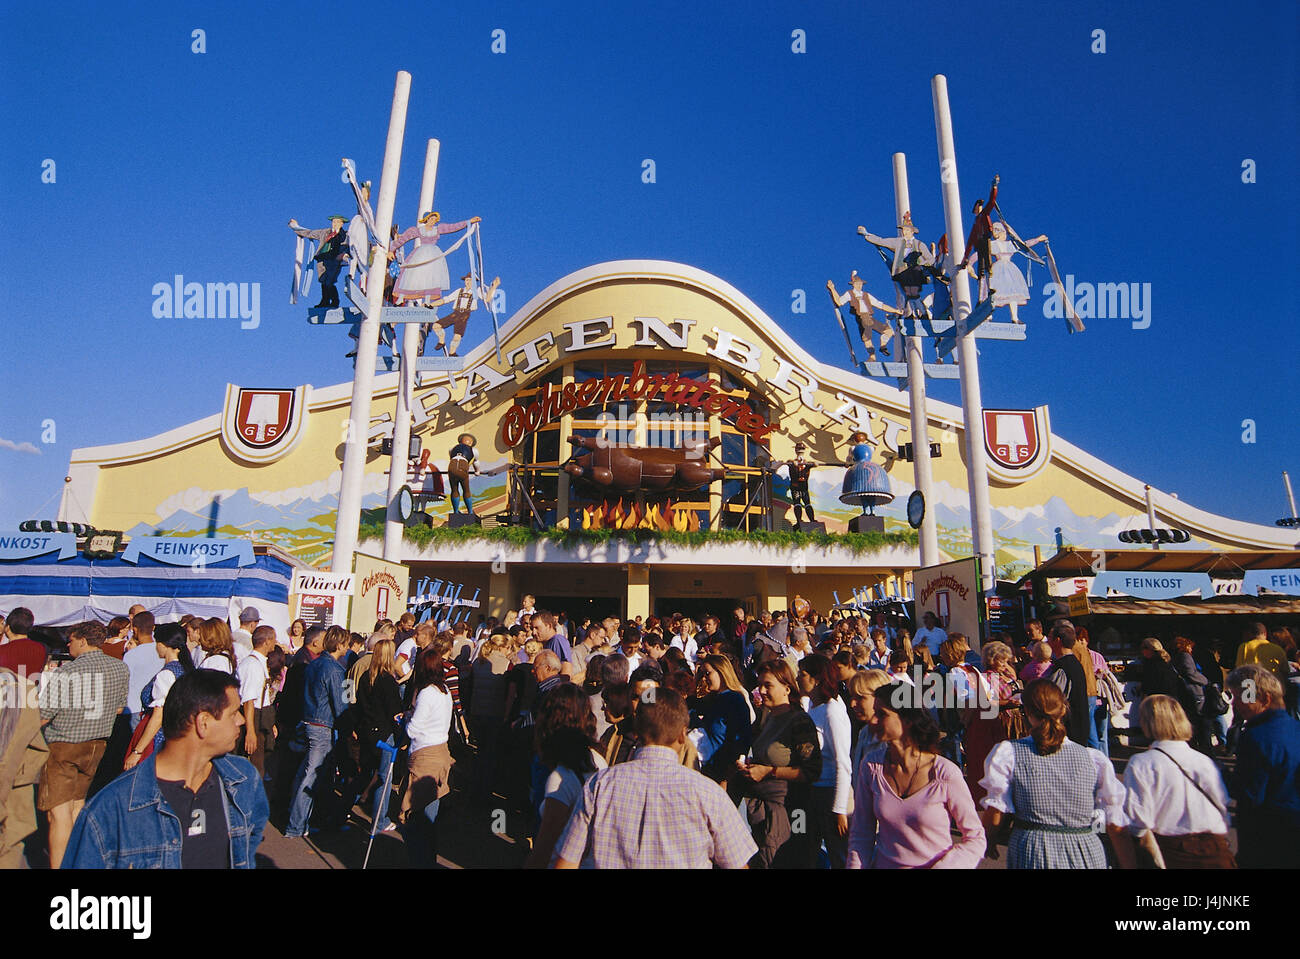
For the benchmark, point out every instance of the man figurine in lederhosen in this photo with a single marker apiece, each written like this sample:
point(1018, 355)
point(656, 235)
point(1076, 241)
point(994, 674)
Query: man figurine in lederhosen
point(911, 258)
point(465, 302)
point(331, 253)
point(458, 469)
point(799, 469)
point(861, 302)
point(981, 235)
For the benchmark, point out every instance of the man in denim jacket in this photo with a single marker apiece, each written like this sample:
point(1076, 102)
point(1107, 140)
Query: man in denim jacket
point(190, 806)
point(324, 700)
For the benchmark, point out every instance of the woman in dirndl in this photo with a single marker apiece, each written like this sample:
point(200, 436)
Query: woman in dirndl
point(424, 273)
point(1053, 787)
point(1006, 283)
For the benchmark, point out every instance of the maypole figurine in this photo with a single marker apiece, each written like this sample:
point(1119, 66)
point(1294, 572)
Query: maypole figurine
point(331, 253)
point(459, 468)
point(980, 239)
point(1007, 284)
point(465, 302)
point(359, 238)
point(941, 299)
point(799, 470)
point(861, 303)
point(424, 272)
point(910, 265)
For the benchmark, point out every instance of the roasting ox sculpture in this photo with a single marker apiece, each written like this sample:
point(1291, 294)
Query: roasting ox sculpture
point(626, 469)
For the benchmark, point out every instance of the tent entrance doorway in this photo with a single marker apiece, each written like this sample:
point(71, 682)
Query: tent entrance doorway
point(696, 607)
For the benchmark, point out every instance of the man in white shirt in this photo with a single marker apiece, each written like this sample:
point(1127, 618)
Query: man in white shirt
point(928, 638)
point(249, 620)
point(144, 662)
point(255, 695)
point(406, 653)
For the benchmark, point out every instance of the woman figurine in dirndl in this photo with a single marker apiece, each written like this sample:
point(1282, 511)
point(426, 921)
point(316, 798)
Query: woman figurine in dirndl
point(1053, 787)
point(1006, 282)
point(424, 272)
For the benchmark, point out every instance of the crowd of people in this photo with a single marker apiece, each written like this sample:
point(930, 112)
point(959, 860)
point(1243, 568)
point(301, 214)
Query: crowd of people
point(781, 740)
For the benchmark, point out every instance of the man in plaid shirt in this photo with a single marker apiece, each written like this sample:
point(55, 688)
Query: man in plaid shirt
point(79, 703)
point(652, 812)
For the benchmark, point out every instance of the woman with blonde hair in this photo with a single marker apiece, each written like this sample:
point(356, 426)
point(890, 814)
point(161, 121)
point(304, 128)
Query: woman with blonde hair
point(379, 712)
point(684, 639)
point(217, 647)
point(862, 706)
point(1177, 803)
point(984, 731)
point(1052, 786)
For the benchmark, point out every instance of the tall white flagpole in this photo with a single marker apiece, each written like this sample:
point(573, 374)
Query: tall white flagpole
point(929, 535)
point(968, 365)
point(406, 386)
point(363, 378)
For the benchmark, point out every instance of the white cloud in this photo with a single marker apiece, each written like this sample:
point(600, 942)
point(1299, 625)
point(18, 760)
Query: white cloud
point(321, 489)
point(18, 447)
point(1016, 514)
point(1136, 521)
point(192, 500)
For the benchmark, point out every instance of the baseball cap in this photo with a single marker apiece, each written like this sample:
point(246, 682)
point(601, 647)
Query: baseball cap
point(250, 614)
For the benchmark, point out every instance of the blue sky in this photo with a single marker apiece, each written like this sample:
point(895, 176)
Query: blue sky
point(766, 160)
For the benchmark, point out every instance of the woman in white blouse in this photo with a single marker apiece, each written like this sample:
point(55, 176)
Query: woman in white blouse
point(1177, 803)
point(832, 792)
point(1053, 786)
point(216, 646)
point(428, 723)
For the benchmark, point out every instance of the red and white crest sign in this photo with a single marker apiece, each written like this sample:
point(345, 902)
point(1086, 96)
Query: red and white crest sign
point(261, 425)
point(262, 416)
point(1018, 442)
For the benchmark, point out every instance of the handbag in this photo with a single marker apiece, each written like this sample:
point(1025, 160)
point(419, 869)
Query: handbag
point(1216, 704)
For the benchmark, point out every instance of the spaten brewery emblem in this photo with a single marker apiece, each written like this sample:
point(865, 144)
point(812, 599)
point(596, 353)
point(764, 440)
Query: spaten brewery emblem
point(1018, 443)
point(262, 425)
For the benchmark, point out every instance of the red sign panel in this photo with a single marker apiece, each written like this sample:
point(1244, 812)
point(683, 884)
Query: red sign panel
point(1011, 437)
point(262, 416)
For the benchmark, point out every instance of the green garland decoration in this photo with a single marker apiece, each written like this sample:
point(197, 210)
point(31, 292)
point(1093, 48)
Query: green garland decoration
point(857, 543)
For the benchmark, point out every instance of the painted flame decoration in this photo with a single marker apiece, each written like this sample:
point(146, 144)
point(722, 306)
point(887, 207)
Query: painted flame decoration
point(662, 518)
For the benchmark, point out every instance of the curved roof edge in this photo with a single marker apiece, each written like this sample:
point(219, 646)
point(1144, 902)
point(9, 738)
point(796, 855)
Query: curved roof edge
point(940, 413)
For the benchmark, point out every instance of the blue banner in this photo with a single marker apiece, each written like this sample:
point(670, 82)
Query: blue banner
point(1153, 585)
point(17, 546)
point(189, 552)
point(1285, 581)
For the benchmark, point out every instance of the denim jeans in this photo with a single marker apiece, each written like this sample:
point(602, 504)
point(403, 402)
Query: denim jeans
point(320, 742)
point(421, 837)
point(1099, 729)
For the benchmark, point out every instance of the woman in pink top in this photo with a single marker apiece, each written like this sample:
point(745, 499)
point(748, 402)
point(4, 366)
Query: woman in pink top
point(906, 802)
point(1038, 667)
